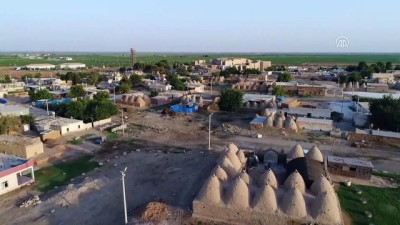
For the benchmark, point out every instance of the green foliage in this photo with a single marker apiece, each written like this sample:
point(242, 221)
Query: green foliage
point(101, 96)
point(38, 75)
point(153, 93)
point(229, 71)
point(383, 203)
point(99, 110)
point(60, 174)
point(177, 83)
point(251, 71)
point(9, 124)
point(385, 113)
point(27, 119)
point(135, 79)
point(77, 91)
point(7, 79)
point(279, 91)
point(352, 77)
point(87, 110)
point(284, 77)
point(231, 100)
point(276, 68)
point(181, 70)
point(39, 95)
point(123, 88)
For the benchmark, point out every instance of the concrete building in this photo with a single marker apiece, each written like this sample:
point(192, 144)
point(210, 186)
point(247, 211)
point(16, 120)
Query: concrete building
point(155, 86)
point(241, 63)
point(314, 124)
point(44, 66)
point(12, 87)
point(72, 66)
point(61, 124)
point(350, 167)
point(383, 78)
point(308, 112)
point(22, 146)
point(15, 172)
point(65, 58)
point(13, 110)
point(194, 86)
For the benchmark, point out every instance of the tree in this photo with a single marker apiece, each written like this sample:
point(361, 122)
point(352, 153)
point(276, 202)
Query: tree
point(101, 96)
point(153, 93)
point(389, 66)
point(252, 71)
point(27, 119)
point(397, 67)
point(39, 95)
point(123, 88)
point(385, 113)
point(362, 66)
point(76, 91)
point(231, 100)
point(76, 110)
point(26, 76)
point(278, 91)
point(181, 70)
point(135, 79)
point(38, 75)
point(9, 124)
point(93, 78)
point(284, 77)
point(99, 110)
point(176, 82)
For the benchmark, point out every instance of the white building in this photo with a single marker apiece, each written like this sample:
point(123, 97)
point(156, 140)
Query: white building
point(383, 78)
point(314, 124)
point(15, 172)
point(64, 125)
point(44, 66)
point(13, 110)
point(72, 66)
point(160, 87)
point(12, 87)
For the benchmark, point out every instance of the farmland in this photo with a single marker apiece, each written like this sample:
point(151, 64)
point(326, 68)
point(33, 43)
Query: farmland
point(123, 59)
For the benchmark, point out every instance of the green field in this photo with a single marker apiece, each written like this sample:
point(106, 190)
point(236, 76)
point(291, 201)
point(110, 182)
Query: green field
point(383, 203)
point(123, 59)
point(60, 174)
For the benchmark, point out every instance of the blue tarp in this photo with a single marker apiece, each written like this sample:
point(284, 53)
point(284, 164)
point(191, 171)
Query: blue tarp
point(184, 108)
point(52, 102)
point(3, 101)
point(259, 120)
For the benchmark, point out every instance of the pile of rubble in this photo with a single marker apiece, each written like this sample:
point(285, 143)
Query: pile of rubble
point(152, 127)
point(232, 129)
point(31, 202)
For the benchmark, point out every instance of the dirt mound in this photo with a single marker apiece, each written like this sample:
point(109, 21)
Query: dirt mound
point(154, 212)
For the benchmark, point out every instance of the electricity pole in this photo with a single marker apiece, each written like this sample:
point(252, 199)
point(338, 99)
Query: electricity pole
point(209, 131)
point(124, 195)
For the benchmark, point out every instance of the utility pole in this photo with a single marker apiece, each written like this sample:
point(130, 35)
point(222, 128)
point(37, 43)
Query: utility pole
point(122, 120)
point(211, 87)
point(47, 106)
point(124, 195)
point(209, 131)
point(114, 93)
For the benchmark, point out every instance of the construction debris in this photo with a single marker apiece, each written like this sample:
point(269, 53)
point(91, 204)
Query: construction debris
point(31, 202)
point(154, 212)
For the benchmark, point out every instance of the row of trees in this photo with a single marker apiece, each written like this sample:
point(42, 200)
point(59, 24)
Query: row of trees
point(76, 91)
point(6, 79)
point(88, 110)
point(92, 78)
point(385, 113)
point(365, 71)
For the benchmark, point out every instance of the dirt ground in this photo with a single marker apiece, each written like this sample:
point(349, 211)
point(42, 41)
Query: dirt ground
point(167, 161)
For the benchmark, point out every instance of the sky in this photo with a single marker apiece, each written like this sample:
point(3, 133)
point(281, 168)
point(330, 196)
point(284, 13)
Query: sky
point(200, 26)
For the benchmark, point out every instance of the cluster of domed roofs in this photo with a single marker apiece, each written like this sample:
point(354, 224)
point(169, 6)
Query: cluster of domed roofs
point(229, 187)
point(250, 86)
point(138, 100)
point(297, 152)
point(193, 98)
point(278, 120)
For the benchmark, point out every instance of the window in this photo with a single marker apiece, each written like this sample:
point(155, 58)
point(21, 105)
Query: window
point(4, 185)
point(79, 126)
point(68, 129)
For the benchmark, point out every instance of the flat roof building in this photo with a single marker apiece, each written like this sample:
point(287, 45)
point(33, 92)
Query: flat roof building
point(15, 172)
point(13, 110)
point(72, 66)
point(22, 146)
point(314, 124)
point(351, 167)
point(64, 125)
point(40, 66)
